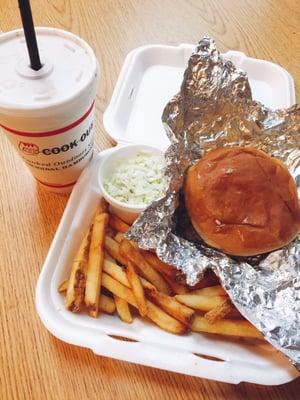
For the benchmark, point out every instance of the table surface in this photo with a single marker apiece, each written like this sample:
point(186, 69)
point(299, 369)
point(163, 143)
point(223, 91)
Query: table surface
point(34, 364)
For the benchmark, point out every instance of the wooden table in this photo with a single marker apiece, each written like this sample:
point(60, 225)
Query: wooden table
point(35, 365)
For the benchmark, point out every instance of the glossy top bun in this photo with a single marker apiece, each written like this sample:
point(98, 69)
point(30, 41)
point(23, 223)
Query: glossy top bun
point(242, 201)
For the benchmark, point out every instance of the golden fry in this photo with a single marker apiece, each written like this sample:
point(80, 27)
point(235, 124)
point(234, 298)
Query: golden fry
point(177, 288)
point(226, 327)
point(117, 224)
point(119, 275)
point(170, 274)
point(158, 316)
point(107, 304)
point(132, 253)
point(165, 269)
point(175, 279)
point(165, 321)
point(210, 291)
point(108, 257)
point(116, 272)
point(95, 264)
point(76, 287)
point(146, 285)
point(123, 309)
point(112, 247)
point(118, 289)
point(137, 289)
point(119, 237)
point(200, 301)
point(221, 311)
point(171, 306)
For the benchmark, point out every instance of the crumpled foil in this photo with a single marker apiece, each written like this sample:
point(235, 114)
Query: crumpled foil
point(214, 108)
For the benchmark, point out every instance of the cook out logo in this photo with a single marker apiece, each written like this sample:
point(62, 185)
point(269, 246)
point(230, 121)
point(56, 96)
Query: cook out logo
point(33, 149)
point(29, 148)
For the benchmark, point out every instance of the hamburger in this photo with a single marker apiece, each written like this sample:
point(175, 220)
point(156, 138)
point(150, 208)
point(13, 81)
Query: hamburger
point(242, 201)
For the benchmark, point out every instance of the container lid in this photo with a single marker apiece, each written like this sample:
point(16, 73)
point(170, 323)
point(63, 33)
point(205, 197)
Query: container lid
point(69, 66)
point(152, 75)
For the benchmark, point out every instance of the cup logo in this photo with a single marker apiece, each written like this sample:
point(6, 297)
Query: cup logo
point(29, 148)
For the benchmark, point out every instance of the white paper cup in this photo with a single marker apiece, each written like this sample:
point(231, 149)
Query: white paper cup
point(48, 115)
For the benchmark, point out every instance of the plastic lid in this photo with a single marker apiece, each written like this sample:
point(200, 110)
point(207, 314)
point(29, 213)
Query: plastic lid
point(69, 66)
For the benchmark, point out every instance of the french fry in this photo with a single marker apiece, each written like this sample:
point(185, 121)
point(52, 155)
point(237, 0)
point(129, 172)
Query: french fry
point(109, 257)
point(171, 306)
point(175, 279)
point(117, 224)
point(118, 289)
point(145, 284)
point(165, 321)
point(211, 291)
point(63, 286)
point(123, 309)
point(117, 272)
point(200, 301)
point(221, 311)
point(76, 286)
point(119, 237)
point(225, 327)
point(137, 289)
point(95, 264)
point(177, 288)
point(158, 316)
point(174, 286)
point(129, 251)
point(165, 269)
point(112, 247)
point(106, 304)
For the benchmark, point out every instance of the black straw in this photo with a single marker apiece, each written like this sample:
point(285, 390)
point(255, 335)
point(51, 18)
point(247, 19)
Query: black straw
point(30, 37)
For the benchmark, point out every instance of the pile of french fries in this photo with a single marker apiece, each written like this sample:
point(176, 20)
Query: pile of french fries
point(112, 275)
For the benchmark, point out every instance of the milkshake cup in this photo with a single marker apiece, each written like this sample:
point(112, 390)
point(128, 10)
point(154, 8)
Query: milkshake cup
point(48, 115)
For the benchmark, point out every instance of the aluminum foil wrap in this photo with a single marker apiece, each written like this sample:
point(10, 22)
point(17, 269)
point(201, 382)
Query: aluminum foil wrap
point(214, 108)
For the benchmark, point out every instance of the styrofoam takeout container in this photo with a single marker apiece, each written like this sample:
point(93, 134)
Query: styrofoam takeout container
point(151, 75)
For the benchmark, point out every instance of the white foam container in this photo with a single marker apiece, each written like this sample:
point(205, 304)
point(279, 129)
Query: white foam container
point(151, 75)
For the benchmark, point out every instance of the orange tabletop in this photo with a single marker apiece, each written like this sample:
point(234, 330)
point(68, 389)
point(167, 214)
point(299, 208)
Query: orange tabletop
point(34, 364)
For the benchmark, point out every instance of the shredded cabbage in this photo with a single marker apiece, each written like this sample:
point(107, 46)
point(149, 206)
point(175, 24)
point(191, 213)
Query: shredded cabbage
point(137, 181)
